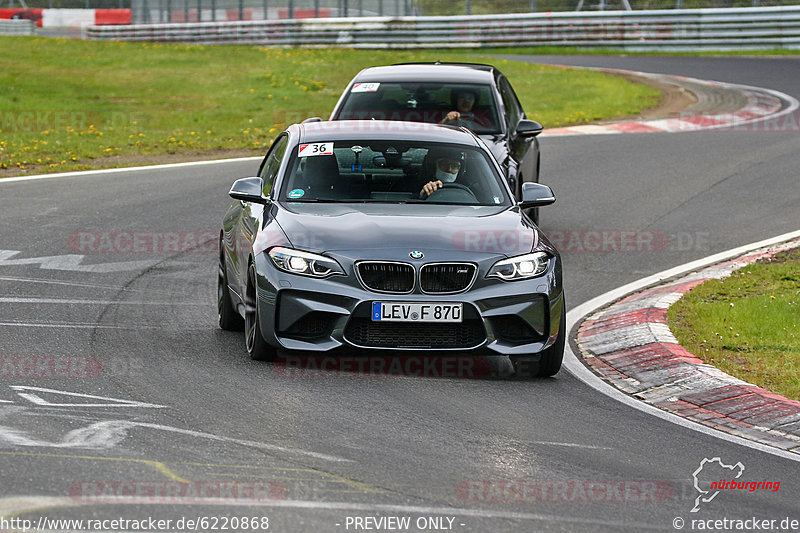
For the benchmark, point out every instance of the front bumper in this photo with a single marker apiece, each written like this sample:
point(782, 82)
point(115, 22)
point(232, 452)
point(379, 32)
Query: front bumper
point(306, 314)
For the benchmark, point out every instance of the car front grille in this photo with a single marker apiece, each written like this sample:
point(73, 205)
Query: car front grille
point(443, 278)
point(365, 332)
point(389, 277)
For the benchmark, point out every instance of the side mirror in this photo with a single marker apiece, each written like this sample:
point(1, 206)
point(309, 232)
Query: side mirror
point(536, 195)
point(311, 119)
point(248, 190)
point(529, 128)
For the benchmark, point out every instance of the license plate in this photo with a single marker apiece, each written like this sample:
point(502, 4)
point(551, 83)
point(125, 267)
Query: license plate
point(416, 312)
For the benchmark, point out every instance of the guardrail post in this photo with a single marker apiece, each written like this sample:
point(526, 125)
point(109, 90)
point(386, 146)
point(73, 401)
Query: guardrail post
point(213, 10)
point(469, 7)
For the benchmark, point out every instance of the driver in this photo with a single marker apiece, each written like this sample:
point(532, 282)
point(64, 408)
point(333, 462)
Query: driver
point(464, 100)
point(446, 171)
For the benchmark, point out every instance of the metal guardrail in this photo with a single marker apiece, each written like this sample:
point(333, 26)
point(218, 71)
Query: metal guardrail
point(719, 29)
point(17, 27)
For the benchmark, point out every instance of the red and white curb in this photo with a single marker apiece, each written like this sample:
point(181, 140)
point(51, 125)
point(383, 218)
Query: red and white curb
point(762, 104)
point(72, 18)
point(630, 345)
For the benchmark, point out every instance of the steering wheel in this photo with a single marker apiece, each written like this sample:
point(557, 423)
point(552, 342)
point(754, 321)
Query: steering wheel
point(456, 191)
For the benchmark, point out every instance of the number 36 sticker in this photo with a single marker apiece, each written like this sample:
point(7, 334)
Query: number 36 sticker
point(306, 150)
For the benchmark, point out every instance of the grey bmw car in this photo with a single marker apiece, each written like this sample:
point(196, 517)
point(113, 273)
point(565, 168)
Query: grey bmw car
point(389, 237)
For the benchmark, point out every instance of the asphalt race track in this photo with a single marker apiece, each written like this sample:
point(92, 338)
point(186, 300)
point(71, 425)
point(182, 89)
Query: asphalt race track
point(116, 379)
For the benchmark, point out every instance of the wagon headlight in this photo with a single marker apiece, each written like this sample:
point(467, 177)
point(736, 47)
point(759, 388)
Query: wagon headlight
point(304, 263)
point(521, 267)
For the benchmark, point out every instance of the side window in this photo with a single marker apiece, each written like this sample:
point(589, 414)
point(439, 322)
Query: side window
point(511, 104)
point(271, 164)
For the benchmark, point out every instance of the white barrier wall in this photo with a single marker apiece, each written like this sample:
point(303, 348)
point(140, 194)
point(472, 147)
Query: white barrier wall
point(691, 29)
point(17, 27)
point(52, 18)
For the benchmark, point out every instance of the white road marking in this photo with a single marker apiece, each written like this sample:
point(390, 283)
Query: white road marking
point(109, 433)
point(72, 262)
point(65, 301)
point(574, 365)
point(74, 326)
point(99, 436)
point(29, 393)
point(89, 173)
point(70, 284)
point(572, 445)
point(251, 443)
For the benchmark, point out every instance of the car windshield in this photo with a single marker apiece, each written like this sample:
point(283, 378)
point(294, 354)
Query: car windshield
point(472, 106)
point(392, 172)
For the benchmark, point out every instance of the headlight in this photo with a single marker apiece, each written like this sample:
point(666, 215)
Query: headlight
point(520, 267)
point(304, 263)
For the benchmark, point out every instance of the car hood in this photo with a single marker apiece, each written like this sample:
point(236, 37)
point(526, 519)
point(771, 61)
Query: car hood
point(407, 227)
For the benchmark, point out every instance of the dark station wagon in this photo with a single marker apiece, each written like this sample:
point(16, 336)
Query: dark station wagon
point(441, 93)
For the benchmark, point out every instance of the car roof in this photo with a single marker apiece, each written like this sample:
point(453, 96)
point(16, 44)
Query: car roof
point(376, 130)
point(429, 72)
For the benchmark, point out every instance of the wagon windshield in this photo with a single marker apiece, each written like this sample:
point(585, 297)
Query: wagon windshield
point(471, 106)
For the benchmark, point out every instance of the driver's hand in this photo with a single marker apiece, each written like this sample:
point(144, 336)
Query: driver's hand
point(430, 187)
point(452, 116)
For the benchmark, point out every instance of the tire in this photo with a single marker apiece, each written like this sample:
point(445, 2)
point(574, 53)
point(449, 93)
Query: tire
point(257, 347)
point(549, 362)
point(229, 318)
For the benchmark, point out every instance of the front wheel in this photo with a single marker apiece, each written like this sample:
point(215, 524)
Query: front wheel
point(549, 362)
point(257, 347)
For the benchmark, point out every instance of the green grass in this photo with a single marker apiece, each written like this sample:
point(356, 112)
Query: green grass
point(748, 324)
point(73, 105)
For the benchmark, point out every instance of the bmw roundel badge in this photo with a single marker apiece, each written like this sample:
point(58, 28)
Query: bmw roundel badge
point(416, 254)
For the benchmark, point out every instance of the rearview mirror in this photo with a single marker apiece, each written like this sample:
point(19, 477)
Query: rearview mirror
point(529, 128)
point(536, 195)
point(248, 190)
